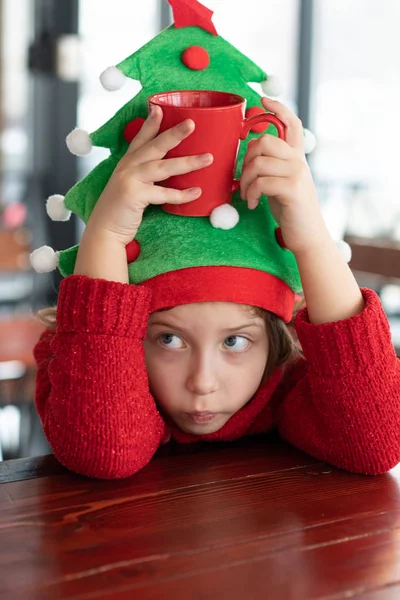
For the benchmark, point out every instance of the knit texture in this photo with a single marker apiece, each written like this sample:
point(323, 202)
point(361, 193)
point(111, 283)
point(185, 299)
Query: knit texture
point(341, 404)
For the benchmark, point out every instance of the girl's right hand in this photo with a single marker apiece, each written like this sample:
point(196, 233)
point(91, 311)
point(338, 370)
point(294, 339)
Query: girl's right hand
point(131, 188)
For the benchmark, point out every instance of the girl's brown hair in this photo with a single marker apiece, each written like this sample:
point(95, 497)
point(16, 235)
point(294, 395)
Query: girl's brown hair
point(284, 347)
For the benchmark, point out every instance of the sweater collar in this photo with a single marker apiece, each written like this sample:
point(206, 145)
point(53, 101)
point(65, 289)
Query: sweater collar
point(240, 422)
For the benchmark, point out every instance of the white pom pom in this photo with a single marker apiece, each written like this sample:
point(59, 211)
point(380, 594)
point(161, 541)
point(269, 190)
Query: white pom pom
point(79, 142)
point(224, 217)
point(344, 249)
point(44, 259)
point(56, 208)
point(272, 86)
point(310, 141)
point(112, 79)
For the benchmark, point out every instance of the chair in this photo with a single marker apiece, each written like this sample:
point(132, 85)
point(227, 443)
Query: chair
point(380, 258)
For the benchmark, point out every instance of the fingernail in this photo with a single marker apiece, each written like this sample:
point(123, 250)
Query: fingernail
point(194, 192)
point(206, 159)
point(153, 111)
point(187, 126)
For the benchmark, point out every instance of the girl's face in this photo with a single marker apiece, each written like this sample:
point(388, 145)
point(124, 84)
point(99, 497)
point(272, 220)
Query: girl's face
point(205, 361)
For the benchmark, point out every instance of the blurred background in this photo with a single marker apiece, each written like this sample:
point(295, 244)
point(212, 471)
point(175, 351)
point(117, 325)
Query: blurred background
point(339, 63)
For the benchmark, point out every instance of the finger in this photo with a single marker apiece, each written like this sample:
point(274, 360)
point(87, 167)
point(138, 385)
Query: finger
point(294, 127)
point(149, 130)
point(158, 147)
point(268, 145)
point(160, 170)
point(269, 186)
point(262, 166)
point(161, 195)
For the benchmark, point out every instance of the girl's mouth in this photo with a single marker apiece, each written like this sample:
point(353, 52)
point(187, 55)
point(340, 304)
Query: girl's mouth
point(201, 417)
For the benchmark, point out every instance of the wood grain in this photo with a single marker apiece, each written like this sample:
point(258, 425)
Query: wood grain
point(252, 519)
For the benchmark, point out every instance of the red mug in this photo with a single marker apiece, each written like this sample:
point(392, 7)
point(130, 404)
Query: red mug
point(220, 125)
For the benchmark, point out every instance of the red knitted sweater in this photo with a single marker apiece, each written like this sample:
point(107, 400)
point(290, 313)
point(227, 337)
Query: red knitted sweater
point(341, 404)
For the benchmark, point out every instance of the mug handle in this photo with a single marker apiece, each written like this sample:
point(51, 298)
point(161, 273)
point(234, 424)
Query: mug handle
point(249, 123)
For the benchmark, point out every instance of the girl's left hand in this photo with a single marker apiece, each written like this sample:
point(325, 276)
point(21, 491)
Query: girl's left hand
point(279, 170)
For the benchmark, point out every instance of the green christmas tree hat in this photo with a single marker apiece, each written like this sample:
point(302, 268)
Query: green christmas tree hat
point(236, 255)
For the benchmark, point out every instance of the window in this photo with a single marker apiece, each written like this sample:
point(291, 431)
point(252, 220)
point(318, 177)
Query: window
point(266, 32)
point(109, 36)
point(15, 32)
point(356, 95)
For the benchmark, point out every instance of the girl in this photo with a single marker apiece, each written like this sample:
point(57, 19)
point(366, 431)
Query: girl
point(205, 353)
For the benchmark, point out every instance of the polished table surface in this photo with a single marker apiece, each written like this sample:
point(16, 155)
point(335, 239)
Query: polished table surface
point(254, 519)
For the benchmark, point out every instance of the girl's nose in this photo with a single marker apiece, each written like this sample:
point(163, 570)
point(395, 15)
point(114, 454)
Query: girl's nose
point(202, 379)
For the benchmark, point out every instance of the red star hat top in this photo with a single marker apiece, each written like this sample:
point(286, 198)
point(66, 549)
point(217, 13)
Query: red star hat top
point(190, 13)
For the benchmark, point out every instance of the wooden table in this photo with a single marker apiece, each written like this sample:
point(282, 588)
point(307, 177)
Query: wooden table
point(254, 519)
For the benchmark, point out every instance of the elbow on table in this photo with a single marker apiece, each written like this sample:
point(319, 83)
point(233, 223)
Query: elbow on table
point(367, 458)
point(381, 465)
point(104, 469)
point(102, 461)
point(368, 461)
point(110, 446)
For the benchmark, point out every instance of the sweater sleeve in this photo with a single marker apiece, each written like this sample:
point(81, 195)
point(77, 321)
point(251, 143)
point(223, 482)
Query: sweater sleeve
point(92, 390)
point(343, 406)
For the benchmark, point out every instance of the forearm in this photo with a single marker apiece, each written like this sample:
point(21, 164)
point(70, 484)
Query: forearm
point(334, 407)
point(330, 289)
point(110, 424)
point(92, 380)
point(101, 257)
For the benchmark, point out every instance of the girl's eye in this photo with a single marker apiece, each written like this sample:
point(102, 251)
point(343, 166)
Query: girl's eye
point(169, 340)
point(237, 343)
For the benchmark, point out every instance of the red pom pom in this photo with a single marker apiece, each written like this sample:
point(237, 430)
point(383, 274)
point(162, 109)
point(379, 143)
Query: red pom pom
point(252, 112)
point(132, 129)
point(279, 238)
point(196, 58)
point(132, 251)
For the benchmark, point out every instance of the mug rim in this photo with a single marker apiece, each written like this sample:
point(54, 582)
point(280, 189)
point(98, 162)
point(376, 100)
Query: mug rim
point(240, 100)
